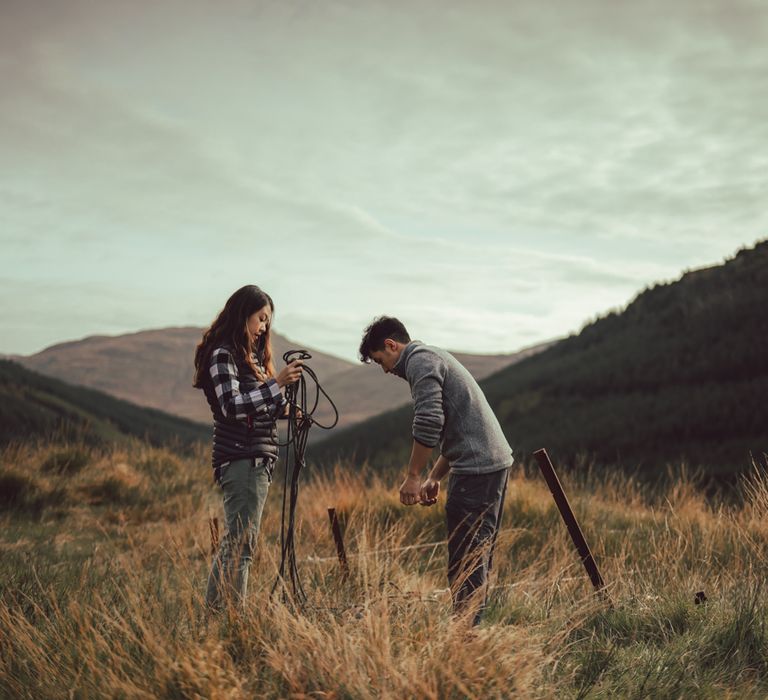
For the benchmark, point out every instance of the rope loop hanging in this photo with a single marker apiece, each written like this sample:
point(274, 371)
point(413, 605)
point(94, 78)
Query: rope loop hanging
point(300, 421)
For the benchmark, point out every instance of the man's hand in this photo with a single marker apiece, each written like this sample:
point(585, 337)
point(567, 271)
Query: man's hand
point(428, 492)
point(410, 489)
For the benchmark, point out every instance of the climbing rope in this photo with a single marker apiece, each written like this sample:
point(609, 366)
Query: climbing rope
point(300, 421)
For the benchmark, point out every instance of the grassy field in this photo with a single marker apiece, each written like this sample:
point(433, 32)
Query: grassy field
point(105, 555)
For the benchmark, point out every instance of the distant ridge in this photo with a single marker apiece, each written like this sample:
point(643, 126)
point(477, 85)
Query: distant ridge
point(153, 368)
point(680, 375)
point(33, 406)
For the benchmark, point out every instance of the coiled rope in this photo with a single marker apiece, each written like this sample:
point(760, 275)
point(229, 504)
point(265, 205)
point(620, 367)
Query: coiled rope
point(300, 421)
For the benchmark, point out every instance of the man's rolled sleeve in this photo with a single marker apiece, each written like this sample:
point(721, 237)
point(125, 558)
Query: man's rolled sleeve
point(427, 390)
point(234, 403)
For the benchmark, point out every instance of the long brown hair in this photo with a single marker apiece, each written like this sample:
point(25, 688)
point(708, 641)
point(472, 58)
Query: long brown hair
point(231, 328)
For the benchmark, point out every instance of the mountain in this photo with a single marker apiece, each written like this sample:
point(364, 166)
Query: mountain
point(35, 406)
point(150, 368)
point(680, 374)
point(154, 368)
point(364, 390)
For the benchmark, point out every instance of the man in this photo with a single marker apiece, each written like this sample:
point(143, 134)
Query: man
point(450, 410)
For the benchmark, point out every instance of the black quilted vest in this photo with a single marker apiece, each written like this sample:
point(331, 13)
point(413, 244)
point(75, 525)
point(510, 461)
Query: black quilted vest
point(233, 439)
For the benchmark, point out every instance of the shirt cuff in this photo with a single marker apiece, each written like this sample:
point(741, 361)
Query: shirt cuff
point(274, 390)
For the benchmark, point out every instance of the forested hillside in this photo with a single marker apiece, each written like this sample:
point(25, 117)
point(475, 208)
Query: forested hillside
point(34, 406)
point(680, 374)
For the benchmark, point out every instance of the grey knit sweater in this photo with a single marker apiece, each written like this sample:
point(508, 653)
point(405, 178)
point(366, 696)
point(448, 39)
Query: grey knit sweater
point(451, 410)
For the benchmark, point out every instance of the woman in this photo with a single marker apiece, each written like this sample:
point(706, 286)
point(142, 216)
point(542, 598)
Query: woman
point(233, 366)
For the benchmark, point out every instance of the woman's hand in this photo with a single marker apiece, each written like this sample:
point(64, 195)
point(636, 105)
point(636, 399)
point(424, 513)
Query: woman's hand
point(290, 373)
point(287, 412)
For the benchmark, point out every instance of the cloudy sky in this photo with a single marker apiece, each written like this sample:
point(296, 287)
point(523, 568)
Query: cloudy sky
point(494, 173)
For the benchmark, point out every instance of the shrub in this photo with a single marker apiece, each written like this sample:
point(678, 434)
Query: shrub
point(67, 461)
point(22, 495)
point(114, 491)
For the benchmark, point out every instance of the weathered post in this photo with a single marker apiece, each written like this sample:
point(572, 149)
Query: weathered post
point(336, 530)
point(548, 472)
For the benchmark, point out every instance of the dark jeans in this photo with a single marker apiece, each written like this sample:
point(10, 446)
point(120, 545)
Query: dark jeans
point(473, 513)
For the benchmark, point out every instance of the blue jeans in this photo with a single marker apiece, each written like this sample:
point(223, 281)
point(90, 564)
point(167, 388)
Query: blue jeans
point(245, 483)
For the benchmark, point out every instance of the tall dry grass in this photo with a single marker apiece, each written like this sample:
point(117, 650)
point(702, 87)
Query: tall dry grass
point(105, 555)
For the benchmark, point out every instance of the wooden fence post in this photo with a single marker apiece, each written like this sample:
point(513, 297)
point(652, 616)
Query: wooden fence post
point(336, 530)
point(548, 471)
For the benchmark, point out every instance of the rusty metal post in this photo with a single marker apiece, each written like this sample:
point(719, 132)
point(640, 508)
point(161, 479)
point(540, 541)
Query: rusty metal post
point(336, 530)
point(213, 526)
point(548, 472)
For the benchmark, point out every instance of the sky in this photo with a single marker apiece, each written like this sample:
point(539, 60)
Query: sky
point(495, 174)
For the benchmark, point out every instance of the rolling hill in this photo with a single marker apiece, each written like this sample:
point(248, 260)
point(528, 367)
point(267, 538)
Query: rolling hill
point(150, 368)
point(153, 368)
point(680, 375)
point(33, 406)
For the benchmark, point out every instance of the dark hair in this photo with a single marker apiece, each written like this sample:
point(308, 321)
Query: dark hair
point(378, 331)
point(231, 328)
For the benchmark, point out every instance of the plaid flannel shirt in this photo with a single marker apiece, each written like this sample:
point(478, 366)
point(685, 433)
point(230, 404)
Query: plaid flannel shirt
point(266, 398)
